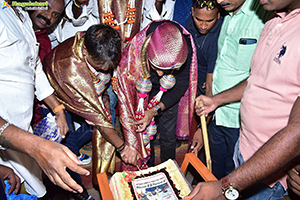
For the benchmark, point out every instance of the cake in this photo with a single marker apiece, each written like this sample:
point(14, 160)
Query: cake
point(164, 181)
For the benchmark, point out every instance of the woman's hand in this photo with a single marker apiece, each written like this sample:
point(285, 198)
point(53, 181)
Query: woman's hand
point(130, 155)
point(143, 123)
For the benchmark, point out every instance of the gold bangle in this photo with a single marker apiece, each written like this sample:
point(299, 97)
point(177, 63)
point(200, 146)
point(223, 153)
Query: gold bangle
point(58, 108)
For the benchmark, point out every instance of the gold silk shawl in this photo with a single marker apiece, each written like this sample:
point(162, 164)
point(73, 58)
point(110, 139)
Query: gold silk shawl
point(72, 81)
point(119, 8)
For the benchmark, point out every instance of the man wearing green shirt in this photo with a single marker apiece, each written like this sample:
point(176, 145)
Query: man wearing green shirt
point(236, 44)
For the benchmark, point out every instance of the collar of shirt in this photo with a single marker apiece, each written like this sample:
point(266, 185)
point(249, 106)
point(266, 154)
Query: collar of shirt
point(286, 17)
point(19, 12)
point(247, 8)
point(91, 68)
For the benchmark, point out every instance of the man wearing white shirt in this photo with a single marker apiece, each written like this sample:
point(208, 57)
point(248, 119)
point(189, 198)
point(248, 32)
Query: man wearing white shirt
point(155, 10)
point(22, 77)
point(77, 19)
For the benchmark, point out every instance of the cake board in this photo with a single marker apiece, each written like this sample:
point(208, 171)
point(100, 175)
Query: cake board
point(189, 159)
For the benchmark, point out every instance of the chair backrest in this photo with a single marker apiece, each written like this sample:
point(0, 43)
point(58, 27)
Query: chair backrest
point(192, 159)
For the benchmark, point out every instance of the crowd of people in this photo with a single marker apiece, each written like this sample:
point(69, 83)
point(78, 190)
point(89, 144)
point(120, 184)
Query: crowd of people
point(156, 59)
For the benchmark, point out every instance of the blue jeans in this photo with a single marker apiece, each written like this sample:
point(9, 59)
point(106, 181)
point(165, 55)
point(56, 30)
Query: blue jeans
point(259, 191)
point(74, 138)
point(113, 100)
point(221, 143)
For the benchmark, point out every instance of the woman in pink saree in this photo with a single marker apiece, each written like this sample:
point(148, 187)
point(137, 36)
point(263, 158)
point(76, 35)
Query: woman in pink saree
point(171, 51)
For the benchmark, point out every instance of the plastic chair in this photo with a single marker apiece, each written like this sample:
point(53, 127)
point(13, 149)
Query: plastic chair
point(189, 158)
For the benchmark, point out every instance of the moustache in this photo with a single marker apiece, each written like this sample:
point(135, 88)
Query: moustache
point(224, 3)
point(48, 22)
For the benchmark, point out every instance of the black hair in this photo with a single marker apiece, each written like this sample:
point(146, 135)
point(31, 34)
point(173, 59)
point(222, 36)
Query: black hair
point(103, 44)
point(209, 4)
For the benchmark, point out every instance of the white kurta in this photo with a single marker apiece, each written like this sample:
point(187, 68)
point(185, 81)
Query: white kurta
point(21, 76)
point(67, 29)
point(150, 13)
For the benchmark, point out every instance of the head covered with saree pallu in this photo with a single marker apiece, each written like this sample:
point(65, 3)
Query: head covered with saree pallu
point(134, 66)
point(73, 81)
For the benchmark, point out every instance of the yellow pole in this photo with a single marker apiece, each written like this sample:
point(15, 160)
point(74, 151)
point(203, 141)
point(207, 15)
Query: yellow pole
point(205, 140)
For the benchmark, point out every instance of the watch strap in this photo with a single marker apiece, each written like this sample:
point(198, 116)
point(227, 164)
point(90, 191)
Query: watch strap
point(158, 110)
point(224, 182)
point(227, 187)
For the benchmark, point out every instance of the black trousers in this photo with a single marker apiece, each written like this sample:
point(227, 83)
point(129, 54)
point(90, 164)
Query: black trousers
point(166, 128)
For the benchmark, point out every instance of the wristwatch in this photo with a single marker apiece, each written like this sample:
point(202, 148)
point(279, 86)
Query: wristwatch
point(229, 191)
point(158, 110)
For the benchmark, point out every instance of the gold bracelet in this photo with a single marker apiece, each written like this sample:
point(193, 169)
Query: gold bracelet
point(58, 108)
